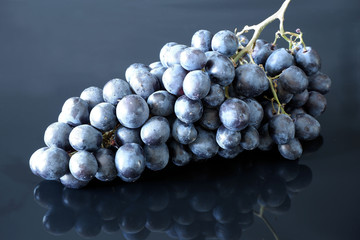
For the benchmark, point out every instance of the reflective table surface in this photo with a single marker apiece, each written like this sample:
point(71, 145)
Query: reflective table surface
point(51, 50)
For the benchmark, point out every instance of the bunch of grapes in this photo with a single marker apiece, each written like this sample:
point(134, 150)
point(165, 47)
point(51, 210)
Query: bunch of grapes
point(219, 208)
point(220, 96)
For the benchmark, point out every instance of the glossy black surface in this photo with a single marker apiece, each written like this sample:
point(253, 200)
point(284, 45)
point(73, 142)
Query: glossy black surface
point(51, 50)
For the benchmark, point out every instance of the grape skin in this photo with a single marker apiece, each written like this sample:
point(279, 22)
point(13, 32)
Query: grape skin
point(196, 85)
point(173, 79)
point(127, 135)
point(319, 82)
point(132, 111)
point(210, 119)
point(75, 111)
point(220, 68)
point(183, 133)
point(179, 156)
point(106, 165)
point(316, 104)
point(57, 135)
point(187, 110)
point(225, 42)
point(161, 103)
point(103, 117)
point(115, 89)
point(215, 97)
point(281, 128)
point(292, 150)
point(157, 156)
point(279, 60)
point(83, 165)
point(192, 59)
point(133, 68)
point(250, 138)
point(34, 160)
point(234, 114)
point(227, 139)
point(52, 163)
point(85, 137)
point(306, 127)
point(130, 162)
point(293, 80)
point(205, 144)
point(202, 40)
point(93, 96)
point(155, 131)
point(308, 60)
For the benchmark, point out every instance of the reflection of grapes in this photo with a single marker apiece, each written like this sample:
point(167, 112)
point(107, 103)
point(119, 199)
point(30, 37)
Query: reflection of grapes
point(223, 95)
point(221, 208)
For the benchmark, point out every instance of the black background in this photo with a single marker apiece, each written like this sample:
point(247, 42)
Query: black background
point(51, 50)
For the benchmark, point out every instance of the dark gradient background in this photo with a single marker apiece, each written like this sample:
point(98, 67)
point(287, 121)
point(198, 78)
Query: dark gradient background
point(51, 50)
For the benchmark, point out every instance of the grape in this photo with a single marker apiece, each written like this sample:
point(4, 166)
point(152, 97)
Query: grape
point(279, 60)
point(270, 109)
point(34, 160)
point(293, 80)
point(250, 138)
point(306, 127)
point(179, 156)
point(283, 95)
point(205, 145)
point(250, 80)
point(231, 152)
point(227, 139)
point(172, 56)
point(115, 89)
point(319, 82)
point(106, 162)
point(127, 135)
point(299, 99)
point(57, 135)
point(83, 165)
point(183, 133)
point(256, 112)
point(103, 117)
point(161, 103)
point(215, 97)
point(243, 40)
point(158, 73)
point(134, 68)
point(144, 83)
point(85, 137)
point(225, 42)
point(192, 59)
point(155, 131)
point(93, 96)
point(202, 40)
point(132, 111)
point(281, 128)
point(295, 111)
point(155, 65)
point(210, 119)
point(69, 181)
point(187, 110)
point(157, 156)
point(196, 85)
point(173, 79)
point(220, 68)
point(164, 51)
point(234, 114)
point(130, 162)
point(316, 104)
point(262, 51)
point(75, 111)
point(308, 60)
point(52, 163)
point(292, 150)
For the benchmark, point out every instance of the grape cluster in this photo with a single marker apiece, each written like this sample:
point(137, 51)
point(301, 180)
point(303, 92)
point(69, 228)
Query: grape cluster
point(198, 101)
point(222, 207)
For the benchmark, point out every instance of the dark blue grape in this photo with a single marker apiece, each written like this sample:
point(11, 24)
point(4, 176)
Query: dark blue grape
point(308, 60)
point(187, 110)
point(210, 119)
point(115, 89)
point(93, 96)
point(172, 56)
point(250, 138)
point(157, 156)
point(293, 80)
point(155, 131)
point(299, 99)
point(161, 103)
point(279, 60)
point(179, 156)
point(34, 160)
point(215, 97)
point(164, 51)
point(205, 145)
point(83, 165)
point(155, 65)
point(57, 135)
point(306, 127)
point(196, 85)
point(85, 137)
point(103, 117)
point(132, 111)
point(134, 68)
point(292, 150)
point(225, 42)
point(52, 163)
point(256, 112)
point(250, 80)
point(173, 79)
point(192, 59)
point(130, 162)
point(158, 73)
point(262, 52)
point(220, 69)
point(75, 111)
point(227, 139)
point(243, 40)
point(294, 111)
point(230, 153)
point(283, 95)
point(281, 128)
point(144, 83)
point(270, 109)
point(127, 135)
point(319, 82)
point(234, 114)
point(316, 104)
point(183, 133)
point(69, 181)
point(202, 40)
point(106, 162)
